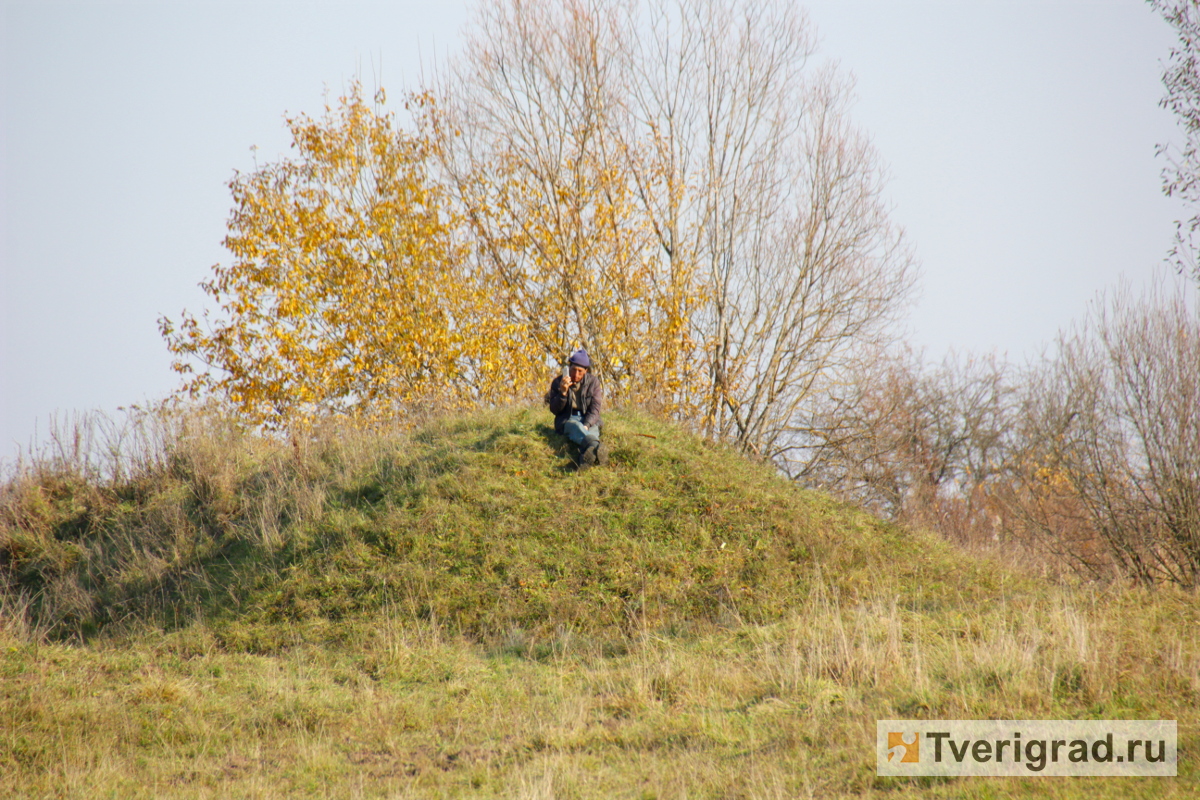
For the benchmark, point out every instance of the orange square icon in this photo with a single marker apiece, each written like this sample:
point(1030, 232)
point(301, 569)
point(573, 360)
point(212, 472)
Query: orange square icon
point(904, 747)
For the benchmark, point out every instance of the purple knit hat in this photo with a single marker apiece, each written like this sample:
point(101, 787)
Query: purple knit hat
point(580, 357)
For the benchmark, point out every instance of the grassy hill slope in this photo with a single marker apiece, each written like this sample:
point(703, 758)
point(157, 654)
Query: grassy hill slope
point(459, 613)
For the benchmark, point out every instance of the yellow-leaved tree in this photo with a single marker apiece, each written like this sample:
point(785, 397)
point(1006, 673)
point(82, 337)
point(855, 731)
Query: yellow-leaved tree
point(347, 294)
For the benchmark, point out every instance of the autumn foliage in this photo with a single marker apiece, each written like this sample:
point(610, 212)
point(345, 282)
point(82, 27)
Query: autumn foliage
point(347, 293)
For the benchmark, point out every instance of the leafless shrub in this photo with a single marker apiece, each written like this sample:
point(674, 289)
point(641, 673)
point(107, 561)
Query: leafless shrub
point(927, 445)
point(1112, 426)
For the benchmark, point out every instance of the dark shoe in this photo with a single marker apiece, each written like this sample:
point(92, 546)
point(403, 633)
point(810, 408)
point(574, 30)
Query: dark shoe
point(602, 454)
point(587, 457)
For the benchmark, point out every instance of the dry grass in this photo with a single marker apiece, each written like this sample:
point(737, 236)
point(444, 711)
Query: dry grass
point(781, 710)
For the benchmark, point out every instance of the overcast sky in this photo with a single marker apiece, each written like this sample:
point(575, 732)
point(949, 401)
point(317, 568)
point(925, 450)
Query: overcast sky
point(1020, 137)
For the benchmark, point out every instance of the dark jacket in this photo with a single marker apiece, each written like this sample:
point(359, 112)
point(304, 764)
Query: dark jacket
point(586, 399)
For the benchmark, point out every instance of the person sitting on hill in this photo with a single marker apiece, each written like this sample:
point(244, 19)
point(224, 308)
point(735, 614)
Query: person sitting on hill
point(575, 399)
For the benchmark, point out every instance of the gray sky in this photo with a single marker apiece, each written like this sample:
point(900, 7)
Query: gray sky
point(1020, 136)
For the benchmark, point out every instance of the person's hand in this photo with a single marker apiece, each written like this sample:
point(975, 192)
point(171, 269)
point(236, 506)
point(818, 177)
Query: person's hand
point(565, 385)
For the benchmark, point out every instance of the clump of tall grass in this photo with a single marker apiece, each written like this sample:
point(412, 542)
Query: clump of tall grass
point(113, 517)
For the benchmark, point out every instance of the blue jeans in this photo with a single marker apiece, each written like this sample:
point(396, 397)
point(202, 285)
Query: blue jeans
point(578, 434)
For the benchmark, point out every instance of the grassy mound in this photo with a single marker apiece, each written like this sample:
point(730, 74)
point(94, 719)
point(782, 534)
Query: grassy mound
point(481, 524)
point(484, 526)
